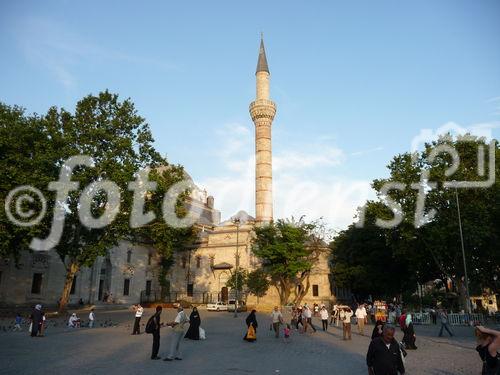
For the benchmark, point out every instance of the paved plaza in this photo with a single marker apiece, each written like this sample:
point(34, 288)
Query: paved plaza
point(112, 350)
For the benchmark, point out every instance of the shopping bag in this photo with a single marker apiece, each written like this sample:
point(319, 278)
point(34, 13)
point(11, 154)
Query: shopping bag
point(251, 333)
point(202, 334)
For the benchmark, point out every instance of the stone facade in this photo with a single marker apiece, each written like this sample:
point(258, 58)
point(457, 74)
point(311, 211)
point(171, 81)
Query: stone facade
point(126, 274)
point(200, 274)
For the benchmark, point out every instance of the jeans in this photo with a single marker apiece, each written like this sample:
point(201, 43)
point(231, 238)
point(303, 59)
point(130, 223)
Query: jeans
point(447, 327)
point(91, 324)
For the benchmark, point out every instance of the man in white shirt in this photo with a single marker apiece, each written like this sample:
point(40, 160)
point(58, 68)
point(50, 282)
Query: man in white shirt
point(91, 318)
point(308, 316)
point(345, 317)
point(178, 333)
point(323, 313)
point(361, 317)
point(139, 310)
point(277, 319)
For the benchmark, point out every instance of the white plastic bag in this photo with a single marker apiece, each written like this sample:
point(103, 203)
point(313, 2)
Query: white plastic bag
point(30, 328)
point(202, 334)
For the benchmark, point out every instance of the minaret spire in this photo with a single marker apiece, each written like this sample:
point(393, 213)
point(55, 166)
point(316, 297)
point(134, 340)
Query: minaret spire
point(262, 111)
point(262, 61)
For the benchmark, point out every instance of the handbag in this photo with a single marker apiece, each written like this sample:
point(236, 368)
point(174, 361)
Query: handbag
point(202, 334)
point(251, 333)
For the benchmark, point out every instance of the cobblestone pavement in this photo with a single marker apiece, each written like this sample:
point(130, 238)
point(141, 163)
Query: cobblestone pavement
point(112, 350)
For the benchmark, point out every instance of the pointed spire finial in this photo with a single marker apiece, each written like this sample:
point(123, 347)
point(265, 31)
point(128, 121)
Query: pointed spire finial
point(262, 61)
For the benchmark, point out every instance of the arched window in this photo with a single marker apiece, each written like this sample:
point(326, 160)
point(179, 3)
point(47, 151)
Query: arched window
point(129, 256)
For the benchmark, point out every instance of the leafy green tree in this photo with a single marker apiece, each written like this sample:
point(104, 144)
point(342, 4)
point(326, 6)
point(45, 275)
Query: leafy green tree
point(363, 260)
point(120, 144)
point(238, 280)
point(28, 158)
point(257, 283)
point(432, 249)
point(288, 251)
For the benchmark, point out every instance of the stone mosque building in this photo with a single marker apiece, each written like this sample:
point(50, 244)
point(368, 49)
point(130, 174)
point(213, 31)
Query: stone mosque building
point(129, 272)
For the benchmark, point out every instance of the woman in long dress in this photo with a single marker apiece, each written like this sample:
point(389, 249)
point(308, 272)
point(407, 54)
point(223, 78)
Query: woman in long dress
point(251, 320)
point(193, 332)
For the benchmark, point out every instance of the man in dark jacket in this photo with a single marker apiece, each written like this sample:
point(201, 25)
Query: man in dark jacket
point(384, 354)
point(36, 320)
point(156, 333)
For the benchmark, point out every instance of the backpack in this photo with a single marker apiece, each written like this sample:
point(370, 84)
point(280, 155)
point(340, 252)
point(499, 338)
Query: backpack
point(151, 325)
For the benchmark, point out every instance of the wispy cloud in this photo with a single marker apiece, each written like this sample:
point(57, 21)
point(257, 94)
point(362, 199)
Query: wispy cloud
point(365, 152)
point(300, 184)
point(496, 102)
point(63, 52)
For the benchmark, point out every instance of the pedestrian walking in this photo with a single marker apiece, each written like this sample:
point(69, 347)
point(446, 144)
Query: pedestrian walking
point(18, 322)
point(41, 328)
point(294, 319)
point(434, 316)
point(287, 331)
point(378, 329)
point(276, 321)
point(443, 316)
point(139, 310)
point(91, 318)
point(489, 345)
point(178, 333)
point(251, 322)
point(360, 318)
point(384, 355)
point(335, 316)
point(308, 316)
point(324, 318)
point(345, 317)
point(153, 327)
point(193, 332)
point(409, 333)
point(36, 319)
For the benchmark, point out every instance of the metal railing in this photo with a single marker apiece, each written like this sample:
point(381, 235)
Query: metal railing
point(172, 297)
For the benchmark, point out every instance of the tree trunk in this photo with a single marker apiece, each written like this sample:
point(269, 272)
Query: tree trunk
point(68, 282)
point(283, 288)
point(303, 291)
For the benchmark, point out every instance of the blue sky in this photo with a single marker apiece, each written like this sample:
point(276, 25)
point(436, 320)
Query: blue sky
point(354, 83)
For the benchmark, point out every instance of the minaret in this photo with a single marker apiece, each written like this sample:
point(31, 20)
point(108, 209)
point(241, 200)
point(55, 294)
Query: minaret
point(262, 111)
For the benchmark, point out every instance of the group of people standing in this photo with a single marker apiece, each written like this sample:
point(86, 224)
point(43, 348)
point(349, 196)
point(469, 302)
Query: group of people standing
point(154, 325)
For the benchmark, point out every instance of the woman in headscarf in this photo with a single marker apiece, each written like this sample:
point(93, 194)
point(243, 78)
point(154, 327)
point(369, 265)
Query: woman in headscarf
point(378, 329)
point(36, 320)
point(251, 320)
point(409, 333)
point(193, 332)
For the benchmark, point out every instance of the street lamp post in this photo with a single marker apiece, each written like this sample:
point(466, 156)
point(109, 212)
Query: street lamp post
point(237, 223)
point(467, 295)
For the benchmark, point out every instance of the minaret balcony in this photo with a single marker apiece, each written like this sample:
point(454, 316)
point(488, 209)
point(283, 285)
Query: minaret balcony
point(262, 108)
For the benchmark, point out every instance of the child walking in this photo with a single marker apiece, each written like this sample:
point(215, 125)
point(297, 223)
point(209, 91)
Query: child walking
point(17, 324)
point(286, 333)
